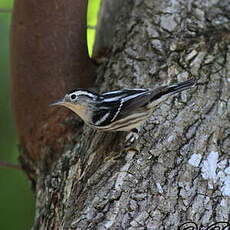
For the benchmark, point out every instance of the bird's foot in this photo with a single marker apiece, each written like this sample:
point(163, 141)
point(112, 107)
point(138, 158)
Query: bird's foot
point(131, 138)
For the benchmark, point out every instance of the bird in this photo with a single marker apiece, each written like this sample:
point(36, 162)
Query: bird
point(119, 110)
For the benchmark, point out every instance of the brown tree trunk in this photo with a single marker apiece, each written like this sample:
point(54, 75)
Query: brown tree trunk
point(179, 170)
point(49, 57)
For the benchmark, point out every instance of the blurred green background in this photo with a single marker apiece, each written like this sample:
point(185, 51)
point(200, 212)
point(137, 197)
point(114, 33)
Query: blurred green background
point(16, 198)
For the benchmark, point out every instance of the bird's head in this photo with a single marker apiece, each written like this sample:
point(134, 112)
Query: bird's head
point(78, 101)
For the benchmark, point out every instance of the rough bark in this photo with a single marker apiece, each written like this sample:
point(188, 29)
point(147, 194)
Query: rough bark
point(109, 11)
point(179, 170)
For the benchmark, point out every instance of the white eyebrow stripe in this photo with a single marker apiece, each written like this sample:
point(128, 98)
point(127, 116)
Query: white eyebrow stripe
point(79, 92)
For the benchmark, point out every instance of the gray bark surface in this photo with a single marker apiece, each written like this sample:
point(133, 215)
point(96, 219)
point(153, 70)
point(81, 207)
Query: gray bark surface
point(179, 170)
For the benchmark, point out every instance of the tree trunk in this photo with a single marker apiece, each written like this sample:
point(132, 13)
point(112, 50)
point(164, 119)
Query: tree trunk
point(179, 170)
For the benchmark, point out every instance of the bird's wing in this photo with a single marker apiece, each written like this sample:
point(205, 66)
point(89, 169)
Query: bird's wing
point(134, 102)
point(116, 105)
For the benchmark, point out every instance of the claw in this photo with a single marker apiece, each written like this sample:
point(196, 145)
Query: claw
point(131, 138)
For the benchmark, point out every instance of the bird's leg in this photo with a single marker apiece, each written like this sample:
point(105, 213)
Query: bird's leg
point(132, 137)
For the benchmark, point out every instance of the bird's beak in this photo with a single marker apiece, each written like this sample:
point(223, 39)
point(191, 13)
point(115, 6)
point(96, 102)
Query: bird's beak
point(59, 102)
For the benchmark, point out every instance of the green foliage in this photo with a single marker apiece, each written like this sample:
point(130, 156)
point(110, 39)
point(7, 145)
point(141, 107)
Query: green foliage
point(6, 4)
point(16, 201)
point(93, 8)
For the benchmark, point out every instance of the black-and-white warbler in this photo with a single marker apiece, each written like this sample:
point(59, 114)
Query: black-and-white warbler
point(121, 110)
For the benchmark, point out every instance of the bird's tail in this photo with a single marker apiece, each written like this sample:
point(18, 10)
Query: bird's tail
point(172, 89)
point(180, 86)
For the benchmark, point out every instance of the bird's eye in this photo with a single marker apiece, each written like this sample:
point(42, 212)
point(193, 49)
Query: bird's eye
point(73, 97)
